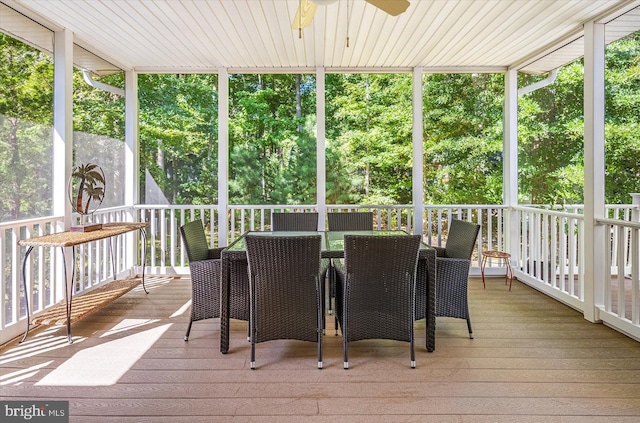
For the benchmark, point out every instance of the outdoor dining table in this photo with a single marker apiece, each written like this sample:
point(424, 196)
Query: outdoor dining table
point(333, 248)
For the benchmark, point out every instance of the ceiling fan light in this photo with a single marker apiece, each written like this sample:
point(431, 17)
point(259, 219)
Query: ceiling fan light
point(323, 2)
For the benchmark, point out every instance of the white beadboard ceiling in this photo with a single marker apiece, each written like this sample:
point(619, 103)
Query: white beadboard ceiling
point(187, 36)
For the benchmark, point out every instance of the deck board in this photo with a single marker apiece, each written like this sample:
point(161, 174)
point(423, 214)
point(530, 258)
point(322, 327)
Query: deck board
point(532, 359)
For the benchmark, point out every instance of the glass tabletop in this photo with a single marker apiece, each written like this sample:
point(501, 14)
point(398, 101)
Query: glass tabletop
point(335, 239)
point(239, 244)
point(332, 241)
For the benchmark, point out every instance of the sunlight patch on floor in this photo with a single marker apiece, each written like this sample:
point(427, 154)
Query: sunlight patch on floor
point(22, 374)
point(105, 364)
point(128, 324)
point(39, 344)
point(182, 309)
point(153, 282)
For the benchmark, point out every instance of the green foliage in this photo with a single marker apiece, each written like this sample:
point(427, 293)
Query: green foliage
point(369, 138)
point(463, 138)
point(272, 135)
point(622, 127)
point(272, 145)
point(178, 136)
point(96, 111)
point(26, 115)
point(550, 144)
point(551, 131)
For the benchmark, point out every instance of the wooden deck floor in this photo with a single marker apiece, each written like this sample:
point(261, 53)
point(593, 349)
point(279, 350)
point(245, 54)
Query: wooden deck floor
point(532, 360)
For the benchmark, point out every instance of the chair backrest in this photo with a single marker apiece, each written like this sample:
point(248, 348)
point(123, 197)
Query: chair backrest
point(195, 241)
point(357, 221)
point(380, 286)
point(461, 239)
point(285, 285)
point(294, 221)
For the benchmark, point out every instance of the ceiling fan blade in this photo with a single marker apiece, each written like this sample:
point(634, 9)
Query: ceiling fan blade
point(304, 14)
point(392, 7)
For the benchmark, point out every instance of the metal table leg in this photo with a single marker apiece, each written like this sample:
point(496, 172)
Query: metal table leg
point(68, 290)
point(26, 293)
point(143, 232)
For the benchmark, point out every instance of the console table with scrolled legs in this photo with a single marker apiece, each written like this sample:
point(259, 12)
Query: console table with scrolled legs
point(72, 239)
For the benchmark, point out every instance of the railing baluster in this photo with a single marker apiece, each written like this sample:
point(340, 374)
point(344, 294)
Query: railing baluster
point(620, 272)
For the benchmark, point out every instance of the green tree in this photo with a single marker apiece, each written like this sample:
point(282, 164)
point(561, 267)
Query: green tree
point(551, 131)
point(369, 138)
point(272, 139)
point(26, 114)
point(622, 128)
point(178, 136)
point(463, 138)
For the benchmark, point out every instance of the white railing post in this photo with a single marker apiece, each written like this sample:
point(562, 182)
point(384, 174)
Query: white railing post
point(62, 144)
point(321, 174)
point(635, 262)
point(635, 211)
point(594, 169)
point(131, 163)
point(510, 167)
point(223, 156)
point(418, 154)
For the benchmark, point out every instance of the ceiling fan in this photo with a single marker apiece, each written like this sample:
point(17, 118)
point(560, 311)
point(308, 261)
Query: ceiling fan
point(307, 9)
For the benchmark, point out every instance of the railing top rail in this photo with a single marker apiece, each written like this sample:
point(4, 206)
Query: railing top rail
point(464, 206)
point(175, 206)
point(617, 222)
point(28, 222)
point(581, 206)
point(549, 212)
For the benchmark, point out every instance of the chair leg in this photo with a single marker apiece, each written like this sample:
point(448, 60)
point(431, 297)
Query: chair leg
point(332, 282)
point(413, 352)
point(320, 351)
point(344, 351)
point(186, 335)
point(469, 327)
point(320, 330)
point(252, 364)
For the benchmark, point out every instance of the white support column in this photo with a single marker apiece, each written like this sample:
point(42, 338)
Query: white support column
point(132, 142)
point(417, 179)
point(594, 169)
point(321, 166)
point(223, 156)
point(62, 123)
point(62, 142)
point(131, 160)
point(510, 165)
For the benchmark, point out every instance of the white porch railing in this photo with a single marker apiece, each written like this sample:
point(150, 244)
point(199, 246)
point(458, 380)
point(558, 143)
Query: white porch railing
point(621, 308)
point(548, 256)
point(550, 253)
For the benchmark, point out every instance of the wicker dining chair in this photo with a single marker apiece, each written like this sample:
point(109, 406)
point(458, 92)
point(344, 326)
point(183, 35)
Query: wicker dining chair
point(307, 221)
point(204, 266)
point(375, 289)
point(294, 221)
point(286, 289)
point(452, 271)
point(354, 221)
